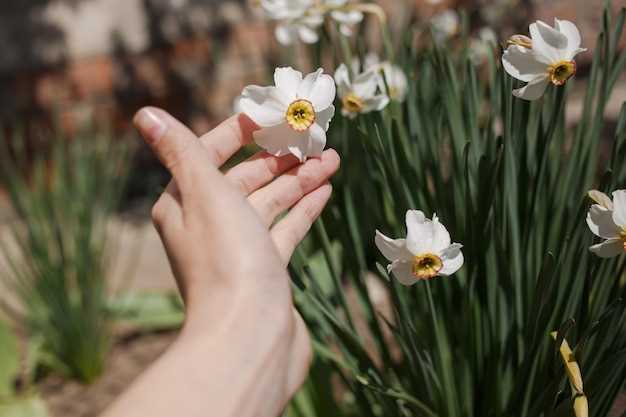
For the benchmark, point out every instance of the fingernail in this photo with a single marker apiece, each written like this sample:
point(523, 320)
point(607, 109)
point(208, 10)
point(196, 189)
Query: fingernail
point(150, 124)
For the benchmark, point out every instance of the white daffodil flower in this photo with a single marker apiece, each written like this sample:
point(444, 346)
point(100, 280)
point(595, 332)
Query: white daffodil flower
point(445, 25)
point(547, 56)
point(294, 115)
point(285, 9)
point(346, 17)
point(359, 95)
point(392, 78)
point(303, 28)
point(607, 219)
point(426, 252)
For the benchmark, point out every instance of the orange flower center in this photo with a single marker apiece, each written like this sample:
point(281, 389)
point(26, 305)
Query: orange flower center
point(352, 103)
point(561, 72)
point(426, 266)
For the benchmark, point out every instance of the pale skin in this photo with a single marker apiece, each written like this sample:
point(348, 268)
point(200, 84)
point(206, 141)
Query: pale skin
point(243, 350)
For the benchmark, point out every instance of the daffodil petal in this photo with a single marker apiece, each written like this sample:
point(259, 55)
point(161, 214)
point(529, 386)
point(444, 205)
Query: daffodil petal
point(452, 258)
point(608, 248)
point(376, 103)
point(402, 272)
point(522, 63)
point(285, 34)
point(349, 17)
point(572, 34)
point(419, 236)
point(548, 41)
point(287, 80)
point(441, 237)
point(392, 249)
point(324, 117)
point(317, 141)
point(600, 222)
point(278, 140)
point(319, 89)
point(264, 105)
point(533, 90)
point(307, 34)
point(365, 84)
point(619, 208)
point(342, 78)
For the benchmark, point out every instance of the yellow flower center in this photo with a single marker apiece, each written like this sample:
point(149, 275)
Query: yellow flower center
point(426, 266)
point(352, 103)
point(300, 115)
point(520, 40)
point(561, 72)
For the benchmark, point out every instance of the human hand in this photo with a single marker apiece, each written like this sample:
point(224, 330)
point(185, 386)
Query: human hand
point(243, 343)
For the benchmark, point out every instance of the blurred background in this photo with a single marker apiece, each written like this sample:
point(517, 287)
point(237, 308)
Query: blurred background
point(71, 65)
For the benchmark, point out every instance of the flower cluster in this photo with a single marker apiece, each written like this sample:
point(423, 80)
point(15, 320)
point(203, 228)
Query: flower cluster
point(300, 19)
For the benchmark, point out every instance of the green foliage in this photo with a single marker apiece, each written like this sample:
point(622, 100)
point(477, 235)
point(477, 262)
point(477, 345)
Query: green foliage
point(148, 311)
point(9, 360)
point(58, 252)
point(13, 403)
point(509, 179)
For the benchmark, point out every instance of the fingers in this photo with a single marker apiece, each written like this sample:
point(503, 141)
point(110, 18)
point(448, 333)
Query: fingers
point(290, 230)
point(259, 170)
point(169, 139)
point(228, 137)
point(290, 187)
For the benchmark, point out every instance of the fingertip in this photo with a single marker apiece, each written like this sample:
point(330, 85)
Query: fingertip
point(151, 123)
point(333, 156)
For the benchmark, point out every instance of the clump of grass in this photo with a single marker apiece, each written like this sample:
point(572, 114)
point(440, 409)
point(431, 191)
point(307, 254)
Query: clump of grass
point(58, 252)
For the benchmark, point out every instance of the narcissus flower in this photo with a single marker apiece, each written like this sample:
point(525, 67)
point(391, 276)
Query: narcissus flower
point(426, 252)
point(546, 57)
point(392, 80)
point(607, 219)
point(359, 95)
point(294, 115)
point(346, 16)
point(445, 25)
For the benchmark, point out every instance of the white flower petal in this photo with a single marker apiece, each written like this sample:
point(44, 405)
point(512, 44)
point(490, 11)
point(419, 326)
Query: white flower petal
point(319, 89)
point(307, 34)
point(548, 41)
point(619, 208)
point(348, 17)
point(342, 78)
point(441, 237)
point(392, 249)
point(264, 105)
point(278, 140)
point(365, 84)
point(324, 117)
point(522, 63)
point(600, 198)
point(316, 142)
point(287, 80)
point(402, 272)
point(608, 248)
point(533, 90)
point(600, 221)
point(419, 236)
point(452, 258)
point(376, 103)
point(285, 34)
point(572, 34)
